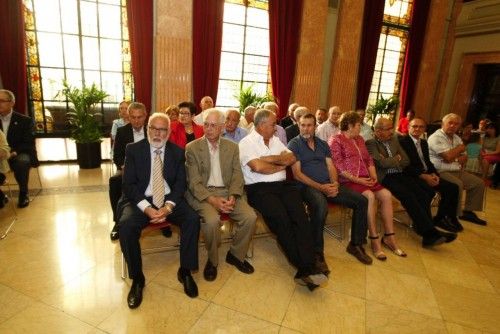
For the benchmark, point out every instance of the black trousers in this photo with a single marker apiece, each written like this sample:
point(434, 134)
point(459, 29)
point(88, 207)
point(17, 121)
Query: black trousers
point(415, 196)
point(115, 192)
point(448, 205)
point(133, 220)
point(21, 165)
point(281, 207)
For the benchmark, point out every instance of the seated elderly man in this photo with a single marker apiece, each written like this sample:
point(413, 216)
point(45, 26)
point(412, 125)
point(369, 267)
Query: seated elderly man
point(390, 160)
point(264, 160)
point(330, 127)
point(215, 185)
point(232, 131)
point(319, 185)
point(246, 122)
point(154, 183)
point(421, 167)
point(448, 154)
point(279, 131)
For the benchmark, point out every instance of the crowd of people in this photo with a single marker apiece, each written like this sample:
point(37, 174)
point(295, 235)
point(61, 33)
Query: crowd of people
point(190, 170)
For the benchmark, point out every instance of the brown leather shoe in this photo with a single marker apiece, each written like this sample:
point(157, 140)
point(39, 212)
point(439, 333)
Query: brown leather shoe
point(359, 253)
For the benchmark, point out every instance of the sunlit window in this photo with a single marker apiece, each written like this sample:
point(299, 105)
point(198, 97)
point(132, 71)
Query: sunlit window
point(245, 50)
point(391, 50)
point(83, 42)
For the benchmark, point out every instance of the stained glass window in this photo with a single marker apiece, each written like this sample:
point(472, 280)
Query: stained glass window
point(386, 80)
point(82, 42)
point(245, 50)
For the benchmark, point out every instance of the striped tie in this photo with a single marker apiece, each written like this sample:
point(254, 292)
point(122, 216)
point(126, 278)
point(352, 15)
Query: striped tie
point(158, 187)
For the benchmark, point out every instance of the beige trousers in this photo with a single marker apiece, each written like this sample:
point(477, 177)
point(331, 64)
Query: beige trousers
point(473, 186)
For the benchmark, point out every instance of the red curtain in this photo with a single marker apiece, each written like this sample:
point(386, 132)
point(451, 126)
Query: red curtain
point(207, 44)
point(13, 52)
point(140, 27)
point(372, 26)
point(285, 17)
point(413, 53)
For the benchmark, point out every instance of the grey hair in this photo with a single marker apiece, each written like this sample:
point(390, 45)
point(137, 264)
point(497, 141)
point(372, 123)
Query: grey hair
point(249, 109)
point(299, 112)
point(261, 116)
point(232, 110)
point(214, 111)
point(11, 95)
point(137, 106)
point(379, 123)
point(451, 116)
point(270, 104)
point(158, 115)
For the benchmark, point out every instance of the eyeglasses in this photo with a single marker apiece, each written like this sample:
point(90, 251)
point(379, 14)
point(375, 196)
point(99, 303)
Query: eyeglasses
point(210, 125)
point(160, 130)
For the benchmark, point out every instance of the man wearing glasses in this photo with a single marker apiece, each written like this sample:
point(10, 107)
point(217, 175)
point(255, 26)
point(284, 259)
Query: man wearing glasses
point(154, 183)
point(421, 167)
point(215, 186)
point(18, 129)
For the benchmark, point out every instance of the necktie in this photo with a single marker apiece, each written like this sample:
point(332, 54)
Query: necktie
point(421, 154)
point(158, 187)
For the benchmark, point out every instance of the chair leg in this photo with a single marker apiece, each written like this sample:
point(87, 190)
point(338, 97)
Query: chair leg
point(124, 267)
point(14, 211)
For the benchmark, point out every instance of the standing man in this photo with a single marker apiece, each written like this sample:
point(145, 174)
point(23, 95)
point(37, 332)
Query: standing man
point(232, 131)
point(421, 167)
point(18, 129)
point(447, 153)
point(390, 160)
point(206, 103)
point(330, 127)
point(154, 183)
point(215, 186)
point(264, 160)
point(319, 180)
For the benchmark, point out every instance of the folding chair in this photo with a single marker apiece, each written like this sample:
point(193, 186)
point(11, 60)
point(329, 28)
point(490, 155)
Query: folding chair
point(330, 228)
point(12, 206)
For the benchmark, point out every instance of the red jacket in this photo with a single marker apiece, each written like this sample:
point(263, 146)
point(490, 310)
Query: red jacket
point(178, 134)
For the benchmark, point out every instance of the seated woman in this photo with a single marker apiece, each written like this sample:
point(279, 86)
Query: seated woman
point(491, 148)
point(172, 112)
point(4, 166)
point(185, 130)
point(357, 172)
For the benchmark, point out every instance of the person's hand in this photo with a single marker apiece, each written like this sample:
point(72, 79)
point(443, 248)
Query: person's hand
point(367, 181)
point(221, 204)
point(330, 189)
point(155, 216)
point(429, 179)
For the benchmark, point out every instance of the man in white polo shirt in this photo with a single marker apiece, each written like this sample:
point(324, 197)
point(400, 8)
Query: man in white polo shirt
point(264, 160)
point(447, 153)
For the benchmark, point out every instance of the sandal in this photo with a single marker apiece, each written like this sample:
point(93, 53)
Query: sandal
point(397, 251)
point(380, 255)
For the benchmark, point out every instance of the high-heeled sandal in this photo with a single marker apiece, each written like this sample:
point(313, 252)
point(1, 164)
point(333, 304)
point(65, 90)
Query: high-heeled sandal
point(397, 251)
point(380, 255)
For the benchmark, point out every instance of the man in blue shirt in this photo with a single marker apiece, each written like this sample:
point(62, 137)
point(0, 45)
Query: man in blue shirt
point(232, 131)
point(315, 171)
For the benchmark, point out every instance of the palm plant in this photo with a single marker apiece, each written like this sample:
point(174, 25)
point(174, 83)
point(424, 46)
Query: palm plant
point(246, 97)
point(383, 106)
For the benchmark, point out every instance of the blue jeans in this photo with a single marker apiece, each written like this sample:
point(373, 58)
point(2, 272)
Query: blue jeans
point(317, 202)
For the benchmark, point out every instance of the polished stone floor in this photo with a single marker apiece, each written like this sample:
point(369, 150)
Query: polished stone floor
point(59, 273)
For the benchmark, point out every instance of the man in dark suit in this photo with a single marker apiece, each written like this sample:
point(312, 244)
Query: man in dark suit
point(19, 132)
point(154, 183)
point(390, 160)
point(421, 167)
point(132, 132)
point(215, 185)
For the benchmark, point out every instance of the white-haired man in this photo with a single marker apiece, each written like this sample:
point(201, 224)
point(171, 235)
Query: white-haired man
point(330, 127)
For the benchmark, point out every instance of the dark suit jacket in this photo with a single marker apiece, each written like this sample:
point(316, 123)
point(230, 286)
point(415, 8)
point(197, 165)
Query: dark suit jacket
point(292, 131)
point(20, 136)
point(415, 168)
point(286, 122)
point(137, 173)
point(198, 168)
point(124, 136)
point(381, 157)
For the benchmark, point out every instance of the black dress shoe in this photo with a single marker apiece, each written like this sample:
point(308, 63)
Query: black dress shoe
point(320, 263)
point(134, 298)
point(115, 235)
point(23, 201)
point(167, 232)
point(242, 266)
point(190, 288)
point(432, 239)
point(449, 237)
point(454, 221)
point(359, 253)
point(473, 218)
point(445, 224)
point(210, 271)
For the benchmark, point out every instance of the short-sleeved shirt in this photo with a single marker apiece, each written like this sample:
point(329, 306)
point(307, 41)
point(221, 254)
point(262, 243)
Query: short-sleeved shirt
point(236, 136)
point(312, 162)
point(326, 130)
point(253, 147)
point(440, 143)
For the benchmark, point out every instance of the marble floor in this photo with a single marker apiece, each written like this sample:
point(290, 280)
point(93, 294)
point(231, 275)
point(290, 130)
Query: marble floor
point(59, 273)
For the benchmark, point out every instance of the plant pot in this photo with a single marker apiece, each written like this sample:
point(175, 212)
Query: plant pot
point(88, 155)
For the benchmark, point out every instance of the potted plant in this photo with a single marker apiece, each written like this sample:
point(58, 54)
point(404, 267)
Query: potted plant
point(383, 107)
point(85, 130)
point(246, 97)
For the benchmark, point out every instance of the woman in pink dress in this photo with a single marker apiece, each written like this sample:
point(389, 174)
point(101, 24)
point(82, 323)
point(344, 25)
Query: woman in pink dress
point(357, 172)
